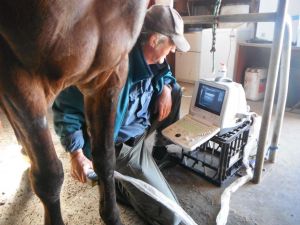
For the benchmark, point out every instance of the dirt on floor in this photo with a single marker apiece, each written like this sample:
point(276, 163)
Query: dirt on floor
point(273, 202)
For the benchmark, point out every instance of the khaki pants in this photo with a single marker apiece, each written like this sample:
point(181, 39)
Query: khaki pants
point(138, 162)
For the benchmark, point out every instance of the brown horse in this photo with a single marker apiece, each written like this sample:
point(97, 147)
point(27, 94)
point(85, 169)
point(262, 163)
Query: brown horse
point(46, 46)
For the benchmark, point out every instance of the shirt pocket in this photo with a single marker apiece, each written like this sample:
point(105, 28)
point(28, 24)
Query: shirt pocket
point(145, 101)
point(133, 105)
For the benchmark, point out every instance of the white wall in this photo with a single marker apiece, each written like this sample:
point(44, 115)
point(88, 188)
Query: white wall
point(294, 7)
point(265, 30)
point(294, 11)
point(165, 2)
point(271, 6)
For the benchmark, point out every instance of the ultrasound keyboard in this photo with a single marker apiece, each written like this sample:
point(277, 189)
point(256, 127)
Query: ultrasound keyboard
point(189, 133)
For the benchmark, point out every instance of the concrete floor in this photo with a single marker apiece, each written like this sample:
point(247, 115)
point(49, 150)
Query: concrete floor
point(274, 201)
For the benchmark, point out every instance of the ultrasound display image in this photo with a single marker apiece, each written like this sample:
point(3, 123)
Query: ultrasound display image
point(210, 98)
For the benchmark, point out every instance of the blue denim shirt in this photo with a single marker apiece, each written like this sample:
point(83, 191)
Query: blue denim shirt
point(141, 78)
point(136, 119)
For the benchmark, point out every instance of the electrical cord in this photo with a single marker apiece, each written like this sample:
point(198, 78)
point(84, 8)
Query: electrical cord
point(214, 27)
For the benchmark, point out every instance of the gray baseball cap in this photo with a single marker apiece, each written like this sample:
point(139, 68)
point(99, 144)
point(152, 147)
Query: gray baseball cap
point(167, 21)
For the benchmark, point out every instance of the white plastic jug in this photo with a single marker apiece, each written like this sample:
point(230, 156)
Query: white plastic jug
point(255, 83)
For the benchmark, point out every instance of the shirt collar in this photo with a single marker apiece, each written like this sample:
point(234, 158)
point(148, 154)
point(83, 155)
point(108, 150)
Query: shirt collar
point(138, 67)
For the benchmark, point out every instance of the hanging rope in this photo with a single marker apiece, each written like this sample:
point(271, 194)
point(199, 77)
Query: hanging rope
point(214, 27)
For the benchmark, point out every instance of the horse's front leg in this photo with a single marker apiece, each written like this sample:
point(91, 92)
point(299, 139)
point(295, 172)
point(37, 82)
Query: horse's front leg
point(101, 111)
point(25, 105)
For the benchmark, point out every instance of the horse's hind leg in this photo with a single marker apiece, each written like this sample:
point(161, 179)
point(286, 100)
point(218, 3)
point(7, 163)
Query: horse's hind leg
point(25, 104)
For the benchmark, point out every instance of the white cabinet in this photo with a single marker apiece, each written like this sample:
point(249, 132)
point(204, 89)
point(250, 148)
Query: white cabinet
point(198, 61)
point(225, 52)
point(187, 66)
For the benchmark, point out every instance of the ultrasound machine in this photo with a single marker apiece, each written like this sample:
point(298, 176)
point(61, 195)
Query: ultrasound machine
point(217, 106)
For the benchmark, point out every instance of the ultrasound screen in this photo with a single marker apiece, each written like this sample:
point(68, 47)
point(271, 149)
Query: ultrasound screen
point(210, 98)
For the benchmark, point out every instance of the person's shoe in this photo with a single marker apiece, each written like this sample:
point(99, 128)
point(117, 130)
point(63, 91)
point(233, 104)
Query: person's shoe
point(163, 158)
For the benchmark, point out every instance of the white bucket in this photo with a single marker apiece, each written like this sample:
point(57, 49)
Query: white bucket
point(255, 83)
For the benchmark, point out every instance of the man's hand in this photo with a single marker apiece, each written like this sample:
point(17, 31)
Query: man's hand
point(164, 103)
point(80, 165)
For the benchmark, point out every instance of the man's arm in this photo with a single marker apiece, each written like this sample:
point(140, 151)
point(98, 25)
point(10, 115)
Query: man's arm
point(80, 165)
point(69, 124)
point(164, 102)
point(163, 82)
